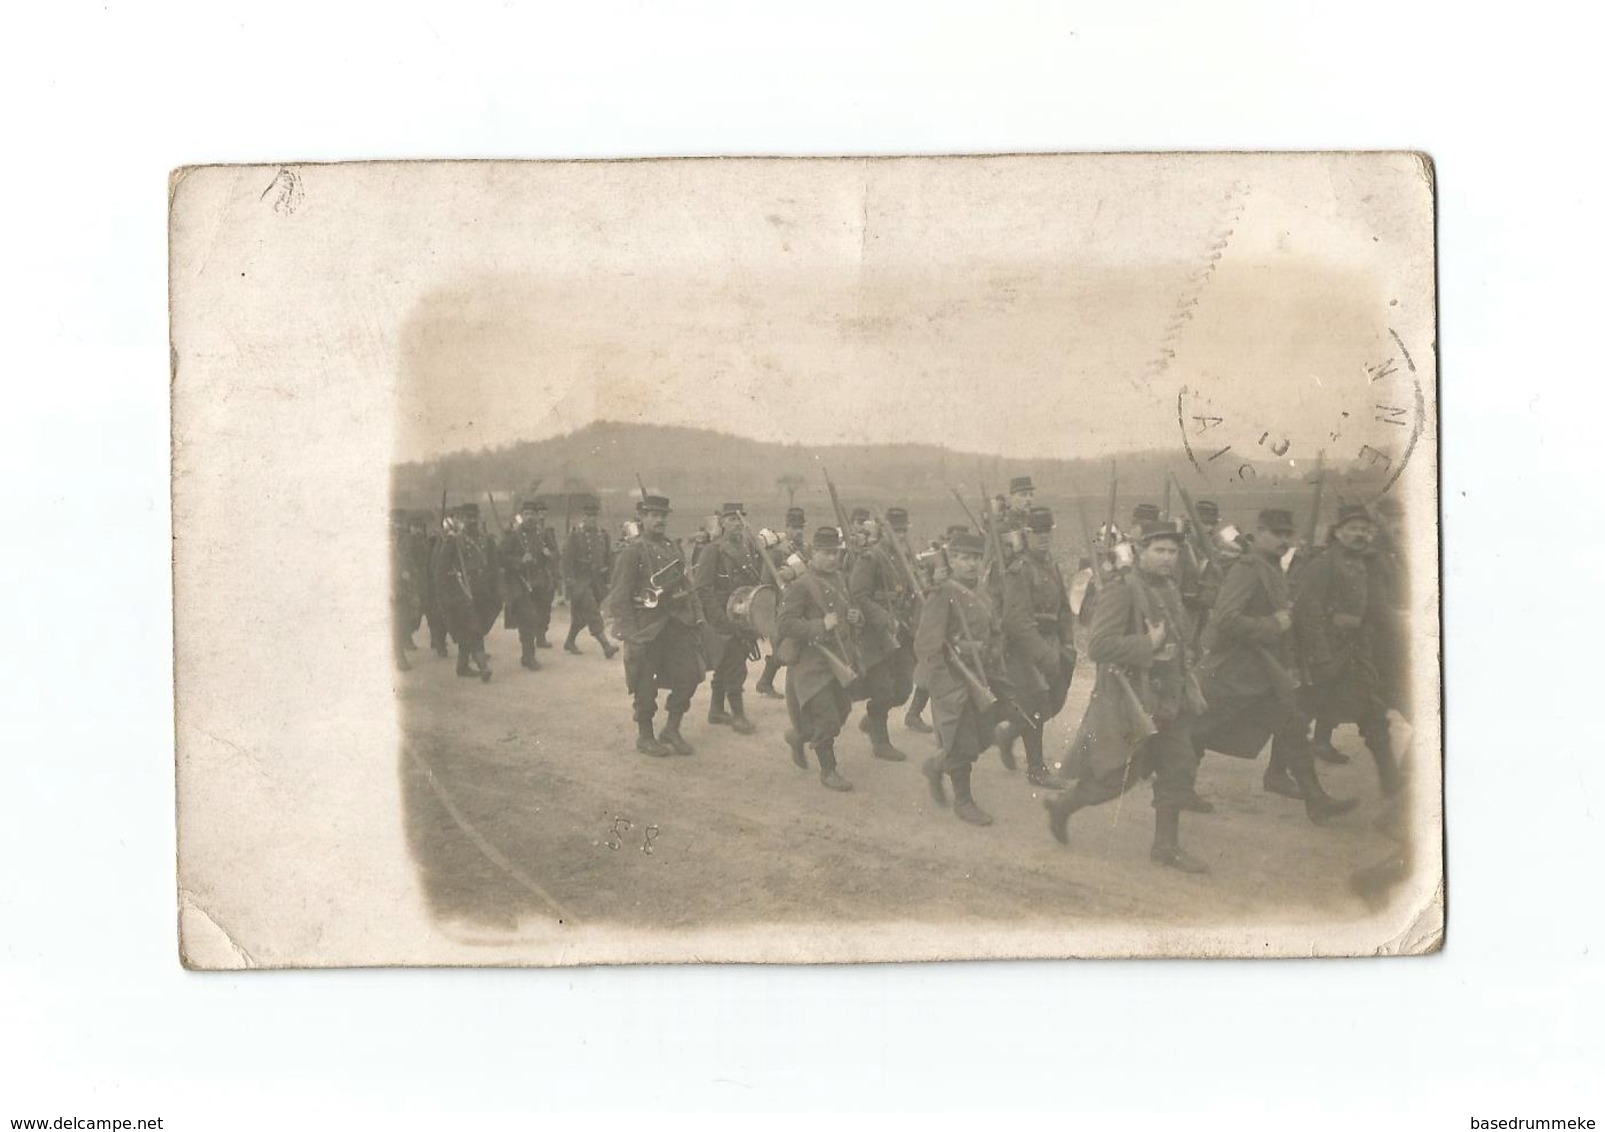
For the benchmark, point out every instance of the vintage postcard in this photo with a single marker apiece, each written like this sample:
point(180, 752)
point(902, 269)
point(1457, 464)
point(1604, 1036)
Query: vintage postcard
point(806, 560)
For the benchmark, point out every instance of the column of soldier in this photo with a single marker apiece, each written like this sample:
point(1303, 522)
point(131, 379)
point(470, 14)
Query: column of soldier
point(1205, 637)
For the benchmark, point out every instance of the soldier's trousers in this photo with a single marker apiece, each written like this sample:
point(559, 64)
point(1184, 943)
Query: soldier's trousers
point(730, 669)
point(1167, 755)
point(820, 719)
point(584, 610)
point(532, 615)
point(437, 627)
point(672, 661)
point(771, 669)
point(889, 683)
point(1355, 694)
point(971, 735)
point(463, 621)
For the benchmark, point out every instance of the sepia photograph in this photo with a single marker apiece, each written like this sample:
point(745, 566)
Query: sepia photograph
point(807, 560)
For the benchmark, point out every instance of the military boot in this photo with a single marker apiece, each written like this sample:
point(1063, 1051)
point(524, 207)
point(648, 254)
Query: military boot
point(799, 754)
point(1059, 808)
point(646, 742)
point(1318, 804)
point(716, 712)
point(671, 735)
point(527, 652)
point(931, 768)
point(1167, 848)
point(463, 667)
point(1003, 736)
point(1381, 743)
point(964, 805)
point(482, 659)
point(739, 723)
point(1278, 778)
point(572, 645)
point(541, 642)
point(1035, 772)
point(766, 683)
point(829, 776)
point(880, 741)
point(608, 647)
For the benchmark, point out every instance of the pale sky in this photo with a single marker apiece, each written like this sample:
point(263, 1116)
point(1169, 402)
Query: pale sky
point(988, 304)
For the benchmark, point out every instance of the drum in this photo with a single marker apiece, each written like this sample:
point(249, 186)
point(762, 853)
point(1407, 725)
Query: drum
point(756, 609)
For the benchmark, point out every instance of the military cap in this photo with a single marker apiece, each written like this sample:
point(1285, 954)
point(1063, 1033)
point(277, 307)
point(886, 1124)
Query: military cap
point(956, 529)
point(859, 515)
point(966, 542)
point(897, 517)
point(466, 509)
point(795, 517)
point(590, 506)
point(827, 538)
point(1208, 510)
point(1019, 484)
point(1145, 513)
point(1158, 528)
point(732, 509)
point(1352, 513)
point(1276, 519)
point(655, 503)
point(531, 506)
point(1040, 519)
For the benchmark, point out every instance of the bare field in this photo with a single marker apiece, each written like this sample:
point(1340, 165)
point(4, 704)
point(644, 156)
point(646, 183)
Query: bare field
point(526, 802)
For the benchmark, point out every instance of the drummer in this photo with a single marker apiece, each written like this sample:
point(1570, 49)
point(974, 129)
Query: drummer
point(726, 565)
point(790, 559)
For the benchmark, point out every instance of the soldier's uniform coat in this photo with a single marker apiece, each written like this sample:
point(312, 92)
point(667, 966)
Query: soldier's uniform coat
point(1109, 755)
point(1343, 674)
point(1039, 631)
point(463, 575)
point(886, 641)
point(817, 702)
point(587, 570)
point(530, 586)
point(723, 567)
point(961, 727)
point(662, 646)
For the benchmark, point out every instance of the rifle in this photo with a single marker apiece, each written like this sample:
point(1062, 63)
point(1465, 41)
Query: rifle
point(640, 484)
point(836, 503)
point(1114, 491)
point(900, 553)
point(1145, 721)
point(1165, 514)
point(1314, 523)
point(995, 550)
point(495, 514)
point(968, 514)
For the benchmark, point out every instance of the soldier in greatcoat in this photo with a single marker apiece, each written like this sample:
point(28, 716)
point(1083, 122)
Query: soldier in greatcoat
point(1330, 605)
point(530, 564)
point(1146, 698)
point(1250, 673)
point(882, 590)
point(587, 568)
point(818, 624)
point(1040, 633)
point(655, 612)
point(463, 574)
point(725, 566)
point(959, 650)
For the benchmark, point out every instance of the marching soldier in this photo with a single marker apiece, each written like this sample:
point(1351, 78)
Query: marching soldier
point(890, 605)
point(1200, 581)
point(1040, 633)
point(587, 565)
point(933, 562)
point(958, 643)
point(1248, 673)
point(1330, 604)
point(724, 567)
point(858, 535)
point(817, 624)
point(462, 574)
point(406, 598)
point(1388, 605)
point(655, 612)
point(1140, 719)
point(530, 562)
point(794, 545)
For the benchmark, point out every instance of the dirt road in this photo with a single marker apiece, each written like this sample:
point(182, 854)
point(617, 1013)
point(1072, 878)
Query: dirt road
point(525, 800)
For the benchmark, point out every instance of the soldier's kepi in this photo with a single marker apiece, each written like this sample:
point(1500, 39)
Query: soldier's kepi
point(1140, 635)
point(530, 563)
point(958, 645)
point(818, 622)
point(655, 612)
point(724, 567)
